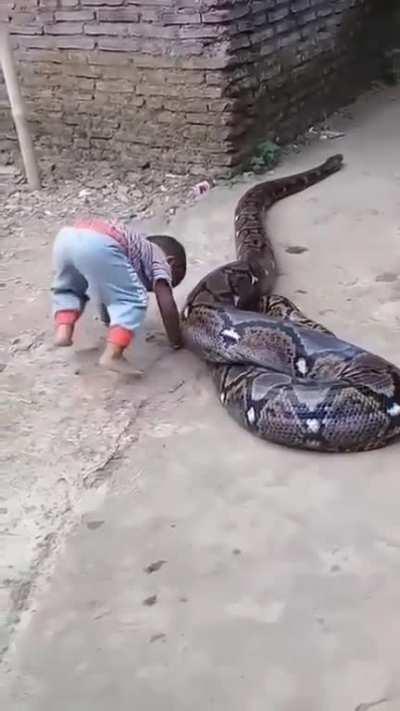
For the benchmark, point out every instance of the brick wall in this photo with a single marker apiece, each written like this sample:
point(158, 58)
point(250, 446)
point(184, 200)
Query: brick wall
point(183, 82)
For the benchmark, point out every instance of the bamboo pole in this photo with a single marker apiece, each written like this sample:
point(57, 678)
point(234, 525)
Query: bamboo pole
point(8, 66)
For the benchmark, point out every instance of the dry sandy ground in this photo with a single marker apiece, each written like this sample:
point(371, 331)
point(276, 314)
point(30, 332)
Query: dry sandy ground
point(276, 582)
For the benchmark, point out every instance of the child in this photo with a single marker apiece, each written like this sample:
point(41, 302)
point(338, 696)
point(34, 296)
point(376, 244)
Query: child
point(119, 267)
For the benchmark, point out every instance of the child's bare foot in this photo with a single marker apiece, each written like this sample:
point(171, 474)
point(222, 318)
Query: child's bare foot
point(63, 337)
point(118, 364)
point(113, 359)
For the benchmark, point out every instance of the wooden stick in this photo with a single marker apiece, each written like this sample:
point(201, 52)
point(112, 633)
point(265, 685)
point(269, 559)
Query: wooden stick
point(18, 110)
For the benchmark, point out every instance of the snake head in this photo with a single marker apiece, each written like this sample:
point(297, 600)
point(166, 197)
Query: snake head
point(333, 163)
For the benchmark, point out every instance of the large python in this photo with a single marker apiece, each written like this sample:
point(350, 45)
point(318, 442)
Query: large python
point(280, 374)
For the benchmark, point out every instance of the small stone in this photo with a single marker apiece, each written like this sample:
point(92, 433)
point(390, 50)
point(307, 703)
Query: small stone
point(150, 601)
point(122, 194)
point(154, 567)
point(136, 194)
point(92, 525)
point(296, 249)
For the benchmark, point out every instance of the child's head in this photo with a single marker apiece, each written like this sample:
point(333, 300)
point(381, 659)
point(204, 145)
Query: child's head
point(175, 254)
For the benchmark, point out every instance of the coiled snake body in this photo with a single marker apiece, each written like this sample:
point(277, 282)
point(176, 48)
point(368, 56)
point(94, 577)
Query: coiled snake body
point(281, 375)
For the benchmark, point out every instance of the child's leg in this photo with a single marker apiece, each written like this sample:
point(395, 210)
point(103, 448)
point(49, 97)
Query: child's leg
point(120, 290)
point(69, 287)
point(104, 315)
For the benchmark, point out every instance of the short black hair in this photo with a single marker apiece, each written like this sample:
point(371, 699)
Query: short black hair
point(172, 248)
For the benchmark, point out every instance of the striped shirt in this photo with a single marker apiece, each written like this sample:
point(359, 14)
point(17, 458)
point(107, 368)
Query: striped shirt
point(147, 259)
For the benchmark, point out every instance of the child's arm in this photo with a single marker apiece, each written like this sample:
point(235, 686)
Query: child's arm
point(169, 312)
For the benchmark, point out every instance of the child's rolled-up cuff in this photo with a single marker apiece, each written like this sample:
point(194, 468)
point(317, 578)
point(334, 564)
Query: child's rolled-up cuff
point(67, 317)
point(119, 336)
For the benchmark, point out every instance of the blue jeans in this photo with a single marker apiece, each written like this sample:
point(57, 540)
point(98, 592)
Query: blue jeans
point(85, 261)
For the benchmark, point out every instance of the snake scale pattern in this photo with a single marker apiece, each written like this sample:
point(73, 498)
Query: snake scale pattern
point(280, 374)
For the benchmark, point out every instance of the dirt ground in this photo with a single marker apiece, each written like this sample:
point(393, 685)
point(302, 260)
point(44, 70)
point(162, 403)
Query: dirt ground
point(274, 575)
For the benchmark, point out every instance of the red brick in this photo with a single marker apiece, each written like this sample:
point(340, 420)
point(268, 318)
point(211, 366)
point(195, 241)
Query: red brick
point(123, 14)
point(46, 42)
point(74, 15)
point(64, 28)
point(102, 2)
point(107, 29)
point(180, 18)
